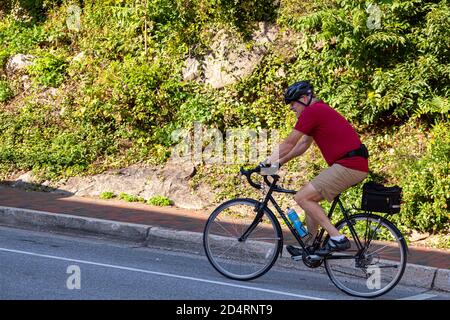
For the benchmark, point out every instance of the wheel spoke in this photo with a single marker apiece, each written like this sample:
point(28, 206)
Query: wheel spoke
point(377, 250)
point(223, 228)
point(234, 245)
point(371, 273)
point(247, 259)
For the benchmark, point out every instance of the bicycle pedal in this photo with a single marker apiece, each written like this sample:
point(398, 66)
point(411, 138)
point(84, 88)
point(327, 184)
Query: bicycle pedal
point(296, 258)
point(314, 257)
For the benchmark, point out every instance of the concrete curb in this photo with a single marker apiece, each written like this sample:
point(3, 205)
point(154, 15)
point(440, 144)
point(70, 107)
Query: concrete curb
point(38, 220)
point(442, 280)
point(415, 275)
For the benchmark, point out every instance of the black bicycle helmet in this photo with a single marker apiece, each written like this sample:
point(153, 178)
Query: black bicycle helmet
point(298, 89)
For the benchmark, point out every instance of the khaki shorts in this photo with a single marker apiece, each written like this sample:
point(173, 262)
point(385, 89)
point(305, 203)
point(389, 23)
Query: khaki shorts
point(336, 179)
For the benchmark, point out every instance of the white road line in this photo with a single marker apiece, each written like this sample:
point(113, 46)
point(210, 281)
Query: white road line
point(422, 296)
point(162, 274)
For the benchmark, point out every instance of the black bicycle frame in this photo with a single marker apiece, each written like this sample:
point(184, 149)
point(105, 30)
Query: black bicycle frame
point(318, 240)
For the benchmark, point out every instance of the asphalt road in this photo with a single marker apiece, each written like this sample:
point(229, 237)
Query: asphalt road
point(36, 265)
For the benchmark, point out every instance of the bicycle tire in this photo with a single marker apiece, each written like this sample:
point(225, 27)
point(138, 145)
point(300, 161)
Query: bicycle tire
point(263, 251)
point(388, 258)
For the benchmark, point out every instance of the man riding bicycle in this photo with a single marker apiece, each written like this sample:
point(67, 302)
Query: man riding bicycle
point(340, 146)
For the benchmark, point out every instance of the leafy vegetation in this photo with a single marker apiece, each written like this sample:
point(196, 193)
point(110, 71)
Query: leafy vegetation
point(427, 184)
point(383, 64)
point(107, 195)
point(5, 91)
point(373, 66)
point(48, 70)
point(160, 201)
point(130, 198)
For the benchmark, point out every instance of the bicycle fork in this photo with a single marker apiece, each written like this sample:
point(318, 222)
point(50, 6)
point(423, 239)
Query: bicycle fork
point(255, 222)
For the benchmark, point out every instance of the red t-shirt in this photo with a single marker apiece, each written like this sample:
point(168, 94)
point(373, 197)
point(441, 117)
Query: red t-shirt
point(333, 134)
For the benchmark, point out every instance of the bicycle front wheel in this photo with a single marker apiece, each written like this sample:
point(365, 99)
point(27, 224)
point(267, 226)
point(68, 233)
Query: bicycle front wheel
point(234, 257)
point(376, 260)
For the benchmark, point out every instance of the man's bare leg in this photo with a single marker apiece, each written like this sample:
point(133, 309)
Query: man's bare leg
point(307, 198)
point(312, 226)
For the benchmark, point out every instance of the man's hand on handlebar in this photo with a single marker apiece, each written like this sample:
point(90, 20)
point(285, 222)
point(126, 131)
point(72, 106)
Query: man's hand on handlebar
point(264, 169)
point(269, 168)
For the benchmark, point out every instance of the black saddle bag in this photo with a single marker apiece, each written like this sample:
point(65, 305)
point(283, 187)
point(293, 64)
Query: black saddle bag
point(378, 198)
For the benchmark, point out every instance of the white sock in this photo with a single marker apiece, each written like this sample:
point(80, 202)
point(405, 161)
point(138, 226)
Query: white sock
point(338, 238)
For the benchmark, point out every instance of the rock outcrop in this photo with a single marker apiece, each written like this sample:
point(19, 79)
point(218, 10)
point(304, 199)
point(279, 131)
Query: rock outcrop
point(171, 181)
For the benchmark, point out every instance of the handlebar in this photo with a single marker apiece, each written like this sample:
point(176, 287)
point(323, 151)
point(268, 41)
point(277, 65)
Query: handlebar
point(248, 173)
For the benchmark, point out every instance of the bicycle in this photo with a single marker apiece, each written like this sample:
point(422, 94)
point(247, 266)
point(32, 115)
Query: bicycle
point(243, 239)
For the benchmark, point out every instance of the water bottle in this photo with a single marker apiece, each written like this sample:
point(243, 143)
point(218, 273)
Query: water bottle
point(296, 222)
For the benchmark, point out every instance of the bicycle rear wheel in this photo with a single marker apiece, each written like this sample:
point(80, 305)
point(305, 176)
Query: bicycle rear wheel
point(241, 260)
point(374, 268)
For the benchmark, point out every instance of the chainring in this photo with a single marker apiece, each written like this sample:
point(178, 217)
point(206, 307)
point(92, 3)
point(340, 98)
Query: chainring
point(311, 263)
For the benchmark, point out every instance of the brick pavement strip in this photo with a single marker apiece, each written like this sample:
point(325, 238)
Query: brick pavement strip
point(415, 275)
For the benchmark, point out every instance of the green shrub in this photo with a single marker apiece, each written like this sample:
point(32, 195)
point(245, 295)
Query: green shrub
point(19, 37)
point(130, 197)
point(5, 91)
point(4, 55)
point(160, 201)
point(426, 184)
point(107, 195)
point(32, 9)
point(394, 70)
point(37, 138)
point(49, 70)
point(134, 100)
